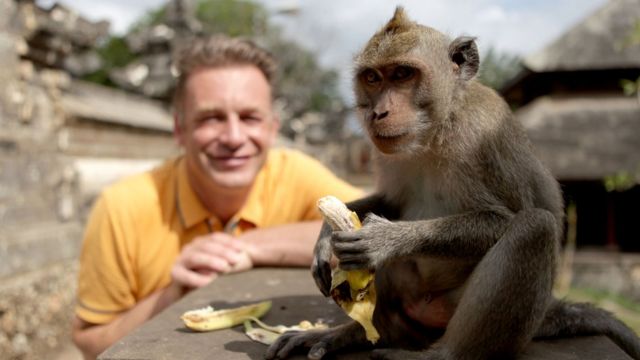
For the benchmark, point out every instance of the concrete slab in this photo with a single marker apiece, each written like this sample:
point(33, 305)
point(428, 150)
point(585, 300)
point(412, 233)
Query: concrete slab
point(295, 298)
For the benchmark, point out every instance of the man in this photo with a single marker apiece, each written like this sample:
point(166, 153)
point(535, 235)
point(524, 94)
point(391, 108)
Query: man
point(227, 205)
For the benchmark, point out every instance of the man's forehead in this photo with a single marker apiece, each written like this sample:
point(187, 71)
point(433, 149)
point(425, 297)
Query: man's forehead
point(213, 87)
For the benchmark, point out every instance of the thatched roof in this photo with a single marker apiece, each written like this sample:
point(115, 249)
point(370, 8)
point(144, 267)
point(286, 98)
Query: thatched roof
point(585, 138)
point(601, 41)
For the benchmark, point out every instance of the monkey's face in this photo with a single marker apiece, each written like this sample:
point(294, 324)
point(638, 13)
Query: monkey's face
point(388, 110)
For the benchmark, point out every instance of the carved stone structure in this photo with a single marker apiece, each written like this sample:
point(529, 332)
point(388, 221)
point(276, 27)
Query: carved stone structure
point(61, 140)
point(151, 74)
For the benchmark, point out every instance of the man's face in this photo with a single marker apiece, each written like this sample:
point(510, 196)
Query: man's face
point(227, 125)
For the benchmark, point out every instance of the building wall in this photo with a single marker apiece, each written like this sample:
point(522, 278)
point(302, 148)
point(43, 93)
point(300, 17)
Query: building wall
point(53, 162)
point(39, 222)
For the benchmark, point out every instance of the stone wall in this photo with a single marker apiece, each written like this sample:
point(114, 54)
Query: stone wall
point(40, 226)
point(613, 272)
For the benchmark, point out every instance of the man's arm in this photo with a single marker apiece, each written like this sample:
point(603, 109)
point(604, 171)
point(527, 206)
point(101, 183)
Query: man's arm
point(284, 245)
point(92, 339)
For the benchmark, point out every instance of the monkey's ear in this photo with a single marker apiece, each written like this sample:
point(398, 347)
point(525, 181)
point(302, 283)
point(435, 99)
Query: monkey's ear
point(464, 53)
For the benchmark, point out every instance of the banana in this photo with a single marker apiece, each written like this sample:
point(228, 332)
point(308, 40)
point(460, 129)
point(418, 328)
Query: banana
point(353, 290)
point(206, 319)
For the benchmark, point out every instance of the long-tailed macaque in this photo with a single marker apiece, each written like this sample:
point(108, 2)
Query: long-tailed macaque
point(467, 222)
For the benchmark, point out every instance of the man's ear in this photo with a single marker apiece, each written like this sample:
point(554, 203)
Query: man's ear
point(178, 129)
point(463, 52)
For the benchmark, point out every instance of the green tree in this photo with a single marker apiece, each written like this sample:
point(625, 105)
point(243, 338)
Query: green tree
point(114, 53)
point(302, 83)
point(232, 17)
point(496, 68)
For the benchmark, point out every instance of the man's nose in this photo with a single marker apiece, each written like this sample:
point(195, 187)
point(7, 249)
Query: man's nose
point(233, 134)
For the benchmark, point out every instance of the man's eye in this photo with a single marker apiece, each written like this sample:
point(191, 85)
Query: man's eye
point(211, 118)
point(251, 118)
point(403, 73)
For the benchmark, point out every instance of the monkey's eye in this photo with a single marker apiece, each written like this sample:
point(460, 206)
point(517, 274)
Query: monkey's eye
point(370, 77)
point(403, 73)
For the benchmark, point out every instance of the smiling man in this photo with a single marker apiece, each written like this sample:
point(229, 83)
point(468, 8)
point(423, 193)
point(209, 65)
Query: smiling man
point(228, 204)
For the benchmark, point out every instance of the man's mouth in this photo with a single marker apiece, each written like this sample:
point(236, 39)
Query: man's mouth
point(229, 162)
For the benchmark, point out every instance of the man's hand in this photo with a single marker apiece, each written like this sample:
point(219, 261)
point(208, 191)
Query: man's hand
point(208, 256)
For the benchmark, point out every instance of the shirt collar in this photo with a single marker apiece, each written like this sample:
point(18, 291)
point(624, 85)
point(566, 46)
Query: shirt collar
point(192, 211)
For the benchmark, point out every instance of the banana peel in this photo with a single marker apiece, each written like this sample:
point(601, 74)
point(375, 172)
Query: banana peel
point(267, 334)
point(354, 291)
point(208, 319)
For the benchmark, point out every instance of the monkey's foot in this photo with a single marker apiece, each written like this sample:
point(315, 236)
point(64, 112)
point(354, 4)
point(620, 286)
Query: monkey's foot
point(319, 343)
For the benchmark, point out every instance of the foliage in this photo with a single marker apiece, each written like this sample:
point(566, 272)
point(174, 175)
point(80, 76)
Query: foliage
point(496, 69)
point(631, 87)
point(114, 54)
point(302, 83)
point(152, 17)
point(634, 36)
point(232, 17)
point(620, 181)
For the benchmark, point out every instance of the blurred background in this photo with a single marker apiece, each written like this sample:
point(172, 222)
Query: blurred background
point(84, 99)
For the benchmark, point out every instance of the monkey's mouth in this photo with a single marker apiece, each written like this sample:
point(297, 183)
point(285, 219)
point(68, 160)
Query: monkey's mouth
point(389, 137)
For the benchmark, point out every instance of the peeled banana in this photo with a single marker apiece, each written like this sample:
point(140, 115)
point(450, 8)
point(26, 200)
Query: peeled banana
point(206, 319)
point(354, 291)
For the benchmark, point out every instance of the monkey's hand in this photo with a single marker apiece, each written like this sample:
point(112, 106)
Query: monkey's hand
point(368, 247)
point(321, 265)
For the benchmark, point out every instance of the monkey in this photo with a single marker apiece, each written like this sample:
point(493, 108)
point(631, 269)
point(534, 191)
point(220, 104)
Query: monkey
point(464, 228)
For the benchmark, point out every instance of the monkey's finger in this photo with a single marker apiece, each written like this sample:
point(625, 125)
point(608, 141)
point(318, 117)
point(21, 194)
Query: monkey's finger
point(274, 349)
point(345, 236)
point(321, 271)
point(355, 265)
point(318, 350)
point(295, 341)
point(349, 247)
point(354, 262)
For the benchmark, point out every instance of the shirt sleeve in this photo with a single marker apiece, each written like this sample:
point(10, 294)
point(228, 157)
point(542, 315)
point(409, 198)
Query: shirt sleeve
point(315, 181)
point(106, 277)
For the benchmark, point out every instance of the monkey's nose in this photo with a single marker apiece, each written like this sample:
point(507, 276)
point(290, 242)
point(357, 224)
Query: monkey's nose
point(375, 116)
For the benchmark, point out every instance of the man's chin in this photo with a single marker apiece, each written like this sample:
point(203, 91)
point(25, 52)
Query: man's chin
point(232, 181)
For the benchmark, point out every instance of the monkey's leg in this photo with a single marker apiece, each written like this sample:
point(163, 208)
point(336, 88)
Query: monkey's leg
point(507, 293)
point(319, 342)
point(567, 319)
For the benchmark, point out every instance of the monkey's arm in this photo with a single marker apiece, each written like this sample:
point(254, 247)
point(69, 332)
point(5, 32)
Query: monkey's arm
point(321, 265)
point(467, 235)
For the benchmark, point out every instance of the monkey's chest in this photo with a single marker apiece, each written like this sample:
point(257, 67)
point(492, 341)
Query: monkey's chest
point(428, 202)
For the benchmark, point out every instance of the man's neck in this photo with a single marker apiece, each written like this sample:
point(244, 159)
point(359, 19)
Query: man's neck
point(224, 203)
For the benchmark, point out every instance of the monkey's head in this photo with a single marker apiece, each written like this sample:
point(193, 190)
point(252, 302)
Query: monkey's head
point(407, 80)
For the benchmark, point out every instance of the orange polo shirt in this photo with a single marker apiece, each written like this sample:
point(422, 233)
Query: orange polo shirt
point(138, 225)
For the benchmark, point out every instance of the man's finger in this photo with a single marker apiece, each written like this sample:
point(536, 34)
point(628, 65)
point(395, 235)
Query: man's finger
point(191, 279)
point(208, 261)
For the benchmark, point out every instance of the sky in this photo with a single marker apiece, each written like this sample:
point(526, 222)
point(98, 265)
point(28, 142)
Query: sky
point(336, 29)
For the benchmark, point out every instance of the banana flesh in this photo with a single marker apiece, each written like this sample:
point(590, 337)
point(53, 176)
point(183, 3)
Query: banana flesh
point(354, 291)
point(206, 319)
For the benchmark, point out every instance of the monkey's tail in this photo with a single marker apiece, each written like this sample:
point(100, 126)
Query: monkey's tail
point(571, 319)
